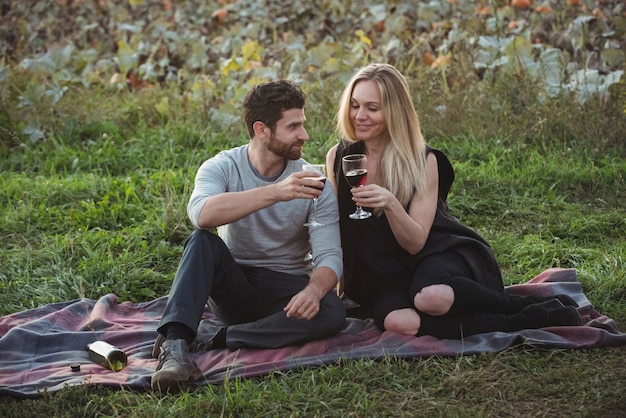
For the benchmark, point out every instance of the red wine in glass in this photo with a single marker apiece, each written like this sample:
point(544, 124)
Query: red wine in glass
point(321, 180)
point(356, 178)
point(320, 168)
point(355, 170)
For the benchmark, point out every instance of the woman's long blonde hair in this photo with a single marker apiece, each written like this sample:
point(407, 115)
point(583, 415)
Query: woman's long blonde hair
point(403, 163)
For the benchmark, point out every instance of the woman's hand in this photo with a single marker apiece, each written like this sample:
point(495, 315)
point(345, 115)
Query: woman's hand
point(373, 196)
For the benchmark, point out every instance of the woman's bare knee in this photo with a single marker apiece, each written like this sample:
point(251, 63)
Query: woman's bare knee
point(435, 299)
point(403, 321)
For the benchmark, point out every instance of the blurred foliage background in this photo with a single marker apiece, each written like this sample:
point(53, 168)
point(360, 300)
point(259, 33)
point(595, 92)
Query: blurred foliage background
point(199, 58)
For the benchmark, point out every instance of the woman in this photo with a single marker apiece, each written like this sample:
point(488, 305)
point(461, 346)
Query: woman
point(412, 266)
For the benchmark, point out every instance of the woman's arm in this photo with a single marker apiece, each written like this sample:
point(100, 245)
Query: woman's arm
point(330, 166)
point(410, 229)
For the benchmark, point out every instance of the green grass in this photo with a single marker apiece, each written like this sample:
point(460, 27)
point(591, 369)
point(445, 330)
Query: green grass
point(521, 381)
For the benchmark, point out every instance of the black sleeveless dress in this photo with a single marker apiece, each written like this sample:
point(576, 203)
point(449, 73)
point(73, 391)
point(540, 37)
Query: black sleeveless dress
point(372, 256)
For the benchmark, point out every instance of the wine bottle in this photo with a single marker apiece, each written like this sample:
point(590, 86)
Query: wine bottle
point(107, 355)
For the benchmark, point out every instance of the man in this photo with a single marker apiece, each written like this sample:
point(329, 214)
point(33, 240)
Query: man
point(266, 276)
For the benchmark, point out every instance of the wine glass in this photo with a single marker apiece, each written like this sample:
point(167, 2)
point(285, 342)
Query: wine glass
point(320, 168)
point(355, 171)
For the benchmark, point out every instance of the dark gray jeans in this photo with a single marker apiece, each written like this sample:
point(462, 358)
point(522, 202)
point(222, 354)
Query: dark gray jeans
point(250, 300)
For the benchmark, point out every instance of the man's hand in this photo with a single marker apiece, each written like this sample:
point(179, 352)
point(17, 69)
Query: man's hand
point(298, 185)
point(304, 304)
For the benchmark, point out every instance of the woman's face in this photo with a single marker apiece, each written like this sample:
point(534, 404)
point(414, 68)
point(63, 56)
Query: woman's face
point(366, 111)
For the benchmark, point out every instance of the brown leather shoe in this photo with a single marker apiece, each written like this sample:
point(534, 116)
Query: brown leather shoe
point(156, 348)
point(175, 367)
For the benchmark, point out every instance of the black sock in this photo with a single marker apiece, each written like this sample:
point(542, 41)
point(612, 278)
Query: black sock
point(219, 341)
point(459, 326)
point(544, 314)
point(178, 331)
point(537, 315)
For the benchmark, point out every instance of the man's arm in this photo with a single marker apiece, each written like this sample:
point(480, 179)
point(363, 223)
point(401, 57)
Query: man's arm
point(228, 207)
point(327, 257)
point(306, 303)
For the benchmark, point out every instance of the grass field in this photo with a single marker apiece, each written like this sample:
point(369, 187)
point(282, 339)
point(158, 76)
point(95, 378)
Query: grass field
point(100, 209)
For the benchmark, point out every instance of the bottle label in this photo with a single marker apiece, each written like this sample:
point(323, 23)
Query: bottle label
point(107, 355)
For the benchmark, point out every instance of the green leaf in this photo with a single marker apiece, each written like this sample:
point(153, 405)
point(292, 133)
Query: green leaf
point(363, 37)
point(163, 106)
point(251, 51)
point(613, 57)
point(126, 57)
point(231, 64)
point(33, 132)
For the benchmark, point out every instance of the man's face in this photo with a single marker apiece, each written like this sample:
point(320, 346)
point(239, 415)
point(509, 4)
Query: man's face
point(289, 137)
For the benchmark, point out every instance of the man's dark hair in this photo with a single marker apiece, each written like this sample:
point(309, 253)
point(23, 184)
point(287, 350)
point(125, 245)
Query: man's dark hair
point(266, 103)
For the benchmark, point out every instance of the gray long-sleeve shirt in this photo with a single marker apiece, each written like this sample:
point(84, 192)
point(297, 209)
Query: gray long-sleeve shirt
point(274, 237)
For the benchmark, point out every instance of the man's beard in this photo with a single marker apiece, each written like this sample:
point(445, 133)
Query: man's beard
point(282, 149)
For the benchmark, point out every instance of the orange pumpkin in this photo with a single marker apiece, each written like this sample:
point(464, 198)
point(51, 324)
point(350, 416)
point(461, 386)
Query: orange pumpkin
point(544, 8)
point(219, 15)
point(521, 4)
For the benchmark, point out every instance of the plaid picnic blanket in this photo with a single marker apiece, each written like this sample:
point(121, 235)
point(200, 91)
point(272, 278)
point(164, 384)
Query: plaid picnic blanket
point(39, 345)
